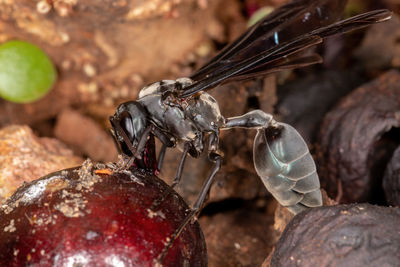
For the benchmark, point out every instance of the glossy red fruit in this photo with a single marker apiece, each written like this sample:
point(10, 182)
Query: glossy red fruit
point(96, 216)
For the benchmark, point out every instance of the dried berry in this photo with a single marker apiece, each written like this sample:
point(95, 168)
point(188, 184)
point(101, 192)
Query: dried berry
point(96, 216)
point(344, 235)
point(379, 49)
point(391, 180)
point(305, 109)
point(358, 138)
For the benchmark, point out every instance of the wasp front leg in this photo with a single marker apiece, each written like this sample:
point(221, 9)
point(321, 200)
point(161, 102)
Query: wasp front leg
point(141, 143)
point(151, 129)
point(282, 160)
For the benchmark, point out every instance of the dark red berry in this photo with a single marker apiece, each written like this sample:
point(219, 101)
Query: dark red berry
point(96, 216)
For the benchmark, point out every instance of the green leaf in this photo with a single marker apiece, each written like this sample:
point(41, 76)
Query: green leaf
point(26, 72)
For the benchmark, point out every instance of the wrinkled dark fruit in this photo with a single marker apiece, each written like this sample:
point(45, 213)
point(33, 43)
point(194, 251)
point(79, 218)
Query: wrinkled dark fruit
point(305, 109)
point(357, 140)
point(96, 216)
point(379, 48)
point(391, 180)
point(344, 235)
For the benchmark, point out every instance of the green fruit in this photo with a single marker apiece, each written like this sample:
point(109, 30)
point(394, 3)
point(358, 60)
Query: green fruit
point(26, 72)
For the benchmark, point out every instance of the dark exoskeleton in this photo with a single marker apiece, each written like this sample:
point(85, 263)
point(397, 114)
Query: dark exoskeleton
point(181, 113)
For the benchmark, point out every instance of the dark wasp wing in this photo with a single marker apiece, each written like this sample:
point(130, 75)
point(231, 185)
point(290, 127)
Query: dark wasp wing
point(278, 40)
point(285, 23)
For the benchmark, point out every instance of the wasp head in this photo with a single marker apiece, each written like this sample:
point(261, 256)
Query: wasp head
point(129, 122)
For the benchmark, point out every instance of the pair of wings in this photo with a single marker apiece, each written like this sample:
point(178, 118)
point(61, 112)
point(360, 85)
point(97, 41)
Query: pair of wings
point(277, 42)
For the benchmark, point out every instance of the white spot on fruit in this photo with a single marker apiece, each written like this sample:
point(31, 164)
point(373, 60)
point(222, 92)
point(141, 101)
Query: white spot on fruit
point(151, 214)
point(115, 260)
point(91, 235)
point(35, 191)
point(11, 227)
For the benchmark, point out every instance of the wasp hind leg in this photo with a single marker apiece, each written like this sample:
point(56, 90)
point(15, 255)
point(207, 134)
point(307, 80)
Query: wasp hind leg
point(214, 156)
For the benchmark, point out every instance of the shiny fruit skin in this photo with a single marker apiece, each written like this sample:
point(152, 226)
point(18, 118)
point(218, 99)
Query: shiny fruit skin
point(93, 217)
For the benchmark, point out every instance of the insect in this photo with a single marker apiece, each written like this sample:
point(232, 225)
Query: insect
point(181, 112)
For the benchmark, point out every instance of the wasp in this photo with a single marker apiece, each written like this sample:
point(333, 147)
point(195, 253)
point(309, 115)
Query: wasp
point(181, 113)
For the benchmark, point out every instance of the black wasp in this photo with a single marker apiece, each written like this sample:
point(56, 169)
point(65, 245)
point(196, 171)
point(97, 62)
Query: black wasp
point(181, 113)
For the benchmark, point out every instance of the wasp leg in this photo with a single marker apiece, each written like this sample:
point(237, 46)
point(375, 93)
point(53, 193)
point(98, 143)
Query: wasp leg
point(163, 137)
point(116, 143)
point(207, 185)
point(126, 162)
point(122, 133)
point(213, 142)
point(213, 146)
point(196, 207)
point(178, 175)
point(161, 156)
point(143, 139)
point(176, 181)
point(177, 178)
point(142, 142)
point(166, 142)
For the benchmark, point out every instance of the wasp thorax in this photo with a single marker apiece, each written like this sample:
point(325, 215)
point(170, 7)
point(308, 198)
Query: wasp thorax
point(164, 86)
point(183, 82)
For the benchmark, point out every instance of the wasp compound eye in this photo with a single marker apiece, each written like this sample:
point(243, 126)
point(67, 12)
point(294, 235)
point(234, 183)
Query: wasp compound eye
point(127, 125)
